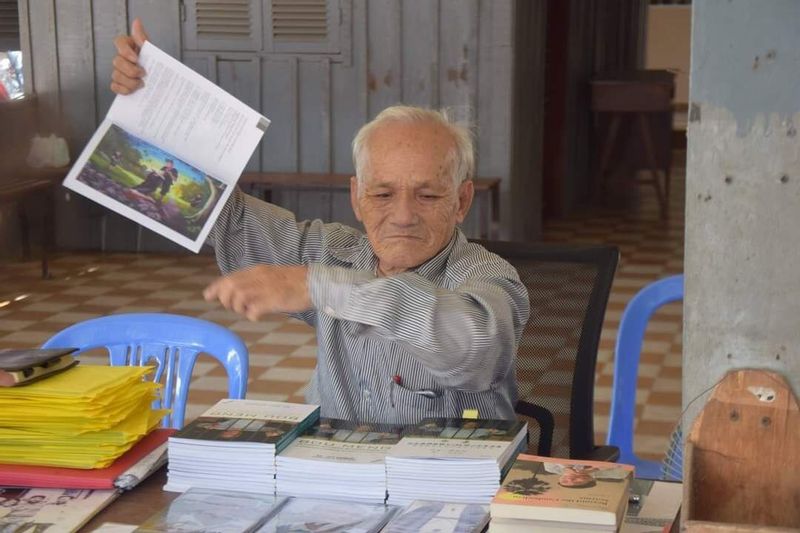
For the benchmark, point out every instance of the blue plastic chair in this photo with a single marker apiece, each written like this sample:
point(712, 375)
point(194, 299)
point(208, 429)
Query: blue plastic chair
point(630, 336)
point(170, 341)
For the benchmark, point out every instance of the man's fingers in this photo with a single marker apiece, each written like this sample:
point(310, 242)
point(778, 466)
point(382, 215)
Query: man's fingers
point(129, 83)
point(119, 89)
point(254, 312)
point(131, 70)
point(126, 47)
point(239, 302)
point(210, 292)
point(138, 33)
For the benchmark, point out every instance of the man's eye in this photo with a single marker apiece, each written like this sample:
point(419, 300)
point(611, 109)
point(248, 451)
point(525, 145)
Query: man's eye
point(381, 195)
point(430, 196)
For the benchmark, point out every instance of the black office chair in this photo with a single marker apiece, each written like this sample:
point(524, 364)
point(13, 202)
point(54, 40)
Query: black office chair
point(568, 288)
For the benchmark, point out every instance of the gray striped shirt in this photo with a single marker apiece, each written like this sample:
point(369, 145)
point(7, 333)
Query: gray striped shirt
point(430, 342)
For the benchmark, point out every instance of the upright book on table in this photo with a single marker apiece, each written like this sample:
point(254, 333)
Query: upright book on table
point(233, 445)
point(168, 155)
point(459, 460)
point(551, 494)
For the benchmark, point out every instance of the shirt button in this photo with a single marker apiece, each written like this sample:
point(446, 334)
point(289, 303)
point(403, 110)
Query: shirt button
point(328, 310)
point(366, 393)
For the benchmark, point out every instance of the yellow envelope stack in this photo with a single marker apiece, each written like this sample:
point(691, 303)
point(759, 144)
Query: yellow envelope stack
point(85, 417)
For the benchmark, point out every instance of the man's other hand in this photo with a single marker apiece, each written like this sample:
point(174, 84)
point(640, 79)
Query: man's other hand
point(127, 75)
point(262, 289)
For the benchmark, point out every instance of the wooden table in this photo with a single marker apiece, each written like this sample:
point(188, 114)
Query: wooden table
point(486, 189)
point(644, 97)
point(35, 186)
point(137, 505)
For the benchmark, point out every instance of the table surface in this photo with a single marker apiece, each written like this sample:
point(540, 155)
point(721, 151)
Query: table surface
point(136, 505)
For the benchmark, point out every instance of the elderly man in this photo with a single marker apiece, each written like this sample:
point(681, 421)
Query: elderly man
point(412, 320)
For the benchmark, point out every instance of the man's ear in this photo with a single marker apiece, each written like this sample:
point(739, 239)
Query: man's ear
point(354, 197)
point(466, 193)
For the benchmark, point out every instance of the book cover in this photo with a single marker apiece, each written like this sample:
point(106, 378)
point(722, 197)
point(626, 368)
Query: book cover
point(343, 441)
point(168, 155)
point(308, 515)
point(78, 478)
point(213, 511)
point(50, 510)
point(459, 438)
point(249, 421)
point(564, 490)
point(439, 517)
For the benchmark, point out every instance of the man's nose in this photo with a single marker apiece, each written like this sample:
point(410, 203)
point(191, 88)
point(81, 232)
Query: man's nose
point(404, 210)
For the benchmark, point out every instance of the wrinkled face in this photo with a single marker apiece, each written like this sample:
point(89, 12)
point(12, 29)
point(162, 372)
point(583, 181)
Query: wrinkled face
point(409, 204)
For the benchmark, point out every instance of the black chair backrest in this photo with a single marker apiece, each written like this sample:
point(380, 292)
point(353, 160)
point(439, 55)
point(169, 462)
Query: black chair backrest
point(568, 288)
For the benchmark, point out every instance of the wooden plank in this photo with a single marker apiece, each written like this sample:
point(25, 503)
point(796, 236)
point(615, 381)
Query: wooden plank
point(349, 95)
point(76, 69)
point(384, 65)
point(25, 45)
point(458, 73)
point(162, 20)
point(242, 78)
point(420, 52)
point(314, 122)
point(44, 61)
point(110, 18)
point(279, 97)
point(458, 56)
point(516, 138)
point(314, 116)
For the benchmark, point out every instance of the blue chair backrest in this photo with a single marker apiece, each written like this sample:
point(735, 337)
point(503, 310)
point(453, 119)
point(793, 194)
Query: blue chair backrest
point(630, 337)
point(172, 342)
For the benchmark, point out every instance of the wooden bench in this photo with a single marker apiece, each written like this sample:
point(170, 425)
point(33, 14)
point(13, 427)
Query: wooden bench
point(487, 191)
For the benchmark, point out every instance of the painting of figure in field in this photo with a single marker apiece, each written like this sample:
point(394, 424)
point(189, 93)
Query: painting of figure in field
point(152, 182)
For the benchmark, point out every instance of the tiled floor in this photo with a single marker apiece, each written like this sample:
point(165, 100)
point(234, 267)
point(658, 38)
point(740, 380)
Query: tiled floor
point(282, 350)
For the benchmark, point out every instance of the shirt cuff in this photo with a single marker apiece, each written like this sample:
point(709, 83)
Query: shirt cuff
point(331, 288)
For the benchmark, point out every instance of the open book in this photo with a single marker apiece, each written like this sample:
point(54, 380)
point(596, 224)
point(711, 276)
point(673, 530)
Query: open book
point(168, 155)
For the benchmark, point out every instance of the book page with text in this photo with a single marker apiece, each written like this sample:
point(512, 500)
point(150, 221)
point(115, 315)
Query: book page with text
point(168, 155)
point(185, 114)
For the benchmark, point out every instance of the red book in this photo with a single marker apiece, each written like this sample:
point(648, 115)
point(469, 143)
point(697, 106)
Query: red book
point(111, 477)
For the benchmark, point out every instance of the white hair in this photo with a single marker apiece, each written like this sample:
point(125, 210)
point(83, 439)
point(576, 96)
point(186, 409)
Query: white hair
point(461, 158)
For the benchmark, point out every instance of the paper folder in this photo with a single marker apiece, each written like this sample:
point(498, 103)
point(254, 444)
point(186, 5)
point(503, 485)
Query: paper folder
point(121, 474)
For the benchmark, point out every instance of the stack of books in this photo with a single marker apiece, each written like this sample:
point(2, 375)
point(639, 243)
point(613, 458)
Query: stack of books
point(456, 460)
point(232, 446)
point(84, 417)
point(338, 459)
point(557, 495)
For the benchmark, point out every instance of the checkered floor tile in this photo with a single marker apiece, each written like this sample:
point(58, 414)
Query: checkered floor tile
point(282, 350)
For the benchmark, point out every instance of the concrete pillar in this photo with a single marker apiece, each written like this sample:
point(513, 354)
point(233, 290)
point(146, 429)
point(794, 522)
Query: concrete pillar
point(742, 261)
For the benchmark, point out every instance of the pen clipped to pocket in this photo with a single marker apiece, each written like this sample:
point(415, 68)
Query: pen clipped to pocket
point(397, 383)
